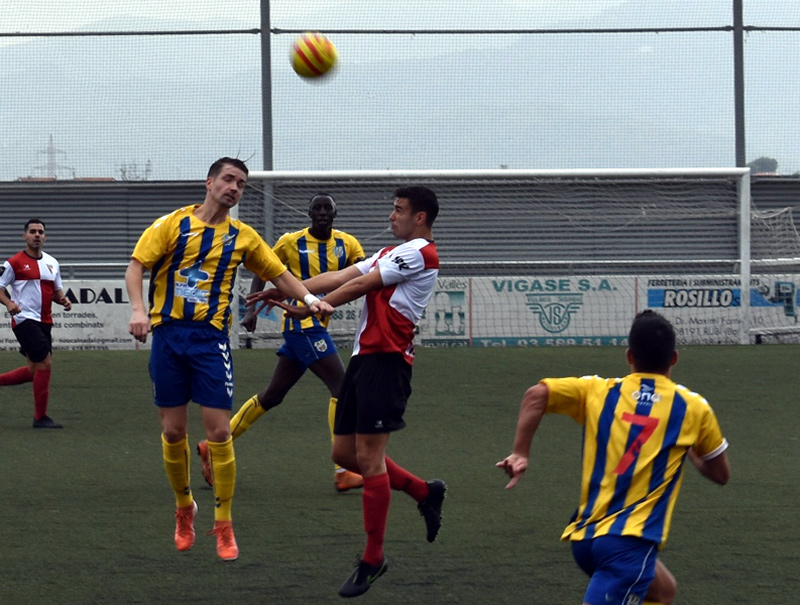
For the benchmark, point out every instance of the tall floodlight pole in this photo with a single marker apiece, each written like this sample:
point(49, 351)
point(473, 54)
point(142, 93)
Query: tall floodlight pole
point(266, 118)
point(266, 86)
point(738, 82)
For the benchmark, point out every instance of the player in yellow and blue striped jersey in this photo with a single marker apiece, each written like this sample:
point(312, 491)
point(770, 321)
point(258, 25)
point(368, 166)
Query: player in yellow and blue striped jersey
point(192, 255)
point(637, 433)
point(311, 251)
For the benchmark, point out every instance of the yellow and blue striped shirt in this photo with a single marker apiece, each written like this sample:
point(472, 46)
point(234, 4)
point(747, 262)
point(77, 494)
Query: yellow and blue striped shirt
point(193, 266)
point(637, 431)
point(306, 256)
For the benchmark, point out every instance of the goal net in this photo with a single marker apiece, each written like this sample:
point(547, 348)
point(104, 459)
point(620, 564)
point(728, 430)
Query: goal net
point(532, 258)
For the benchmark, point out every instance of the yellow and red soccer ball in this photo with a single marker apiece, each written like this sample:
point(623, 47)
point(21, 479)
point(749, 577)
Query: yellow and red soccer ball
point(313, 55)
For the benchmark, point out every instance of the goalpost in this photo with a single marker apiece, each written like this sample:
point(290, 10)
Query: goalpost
point(541, 257)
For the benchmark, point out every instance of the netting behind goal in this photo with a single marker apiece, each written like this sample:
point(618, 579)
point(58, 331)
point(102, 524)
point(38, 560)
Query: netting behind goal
point(535, 258)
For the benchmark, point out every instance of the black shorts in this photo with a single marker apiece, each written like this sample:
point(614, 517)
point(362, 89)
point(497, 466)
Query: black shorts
point(35, 341)
point(374, 394)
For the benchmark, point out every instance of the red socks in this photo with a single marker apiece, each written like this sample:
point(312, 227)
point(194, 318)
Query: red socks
point(41, 393)
point(18, 376)
point(375, 503)
point(403, 481)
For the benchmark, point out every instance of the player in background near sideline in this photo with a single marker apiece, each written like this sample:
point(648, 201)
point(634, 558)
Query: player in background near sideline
point(397, 283)
point(307, 344)
point(638, 432)
point(192, 255)
point(34, 278)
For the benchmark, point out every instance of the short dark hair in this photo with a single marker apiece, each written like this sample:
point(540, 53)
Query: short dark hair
point(34, 221)
point(651, 342)
point(421, 199)
point(216, 167)
point(317, 196)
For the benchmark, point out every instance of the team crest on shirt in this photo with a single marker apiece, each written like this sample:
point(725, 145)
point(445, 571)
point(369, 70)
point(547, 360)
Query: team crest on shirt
point(321, 346)
point(554, 310)
point(338, 251)
point(189, 289)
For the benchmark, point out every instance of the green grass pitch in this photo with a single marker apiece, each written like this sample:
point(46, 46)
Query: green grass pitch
point(88, 513)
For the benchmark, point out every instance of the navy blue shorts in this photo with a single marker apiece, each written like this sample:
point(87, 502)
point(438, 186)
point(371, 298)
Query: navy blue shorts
point(374, 394)
point(621, 568)
point(35, 339)
point(191, 361)
point(306, 347)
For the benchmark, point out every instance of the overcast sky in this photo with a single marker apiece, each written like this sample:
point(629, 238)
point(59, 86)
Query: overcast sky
point(403, 101)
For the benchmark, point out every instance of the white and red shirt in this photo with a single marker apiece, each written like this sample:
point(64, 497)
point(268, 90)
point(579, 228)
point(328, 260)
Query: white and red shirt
point(389, 314)
point(32, 284)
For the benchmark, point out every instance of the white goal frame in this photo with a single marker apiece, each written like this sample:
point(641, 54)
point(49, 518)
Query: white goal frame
point(267, 179)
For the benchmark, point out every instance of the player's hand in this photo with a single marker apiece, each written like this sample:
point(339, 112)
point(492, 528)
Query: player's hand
point(294, 311)
point(13, 308)
point(250, 320)
point(139, 326)
point(514, 466)
point(322, 308)
point(264, 299)
point(268, 295)
point(66, 304)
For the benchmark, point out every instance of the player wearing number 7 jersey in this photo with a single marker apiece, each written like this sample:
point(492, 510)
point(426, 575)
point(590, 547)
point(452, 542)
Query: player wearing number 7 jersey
point(638, 432)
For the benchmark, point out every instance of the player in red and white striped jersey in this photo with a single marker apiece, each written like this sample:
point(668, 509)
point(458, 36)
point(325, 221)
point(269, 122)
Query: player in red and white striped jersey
point(397, 283)
point(34, 278)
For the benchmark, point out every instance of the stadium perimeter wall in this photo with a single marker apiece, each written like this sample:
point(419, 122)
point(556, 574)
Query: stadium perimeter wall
point(92, 228)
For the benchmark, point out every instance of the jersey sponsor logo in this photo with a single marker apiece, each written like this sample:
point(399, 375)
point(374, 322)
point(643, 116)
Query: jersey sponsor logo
point(189, 289)
point(646, 395)
point(401, 264)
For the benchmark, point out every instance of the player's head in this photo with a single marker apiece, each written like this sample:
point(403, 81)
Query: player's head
point(217, 166)
point(321, 198)
point(33, 221)
point(225, 183)
point(421, 199)
point(651, 343)
point(34, 236)
point(322, 211)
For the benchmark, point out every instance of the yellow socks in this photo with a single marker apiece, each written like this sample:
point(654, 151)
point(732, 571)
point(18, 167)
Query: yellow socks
point(176, 463)
point(246, 416)
point(223, 465)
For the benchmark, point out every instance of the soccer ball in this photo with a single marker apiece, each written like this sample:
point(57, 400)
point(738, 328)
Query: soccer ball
point(313, 55)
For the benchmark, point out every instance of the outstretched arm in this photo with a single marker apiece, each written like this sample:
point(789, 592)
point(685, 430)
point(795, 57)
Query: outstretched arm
point(293, 287)
point(532, 408)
